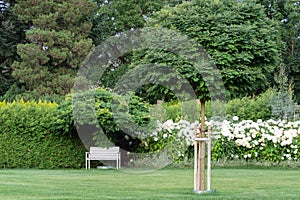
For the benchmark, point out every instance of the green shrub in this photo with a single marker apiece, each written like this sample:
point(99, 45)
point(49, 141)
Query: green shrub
point(251, 108)
point(172, 110)
point(175, 111)
point(28, 140)
point(15, 93)
point(104, 117)
point(248, 108)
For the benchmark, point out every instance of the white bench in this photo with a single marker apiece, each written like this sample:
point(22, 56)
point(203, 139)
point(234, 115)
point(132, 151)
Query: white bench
point(98, 153)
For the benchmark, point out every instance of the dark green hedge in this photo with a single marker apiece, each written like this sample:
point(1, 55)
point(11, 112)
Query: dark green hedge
point(28, 140)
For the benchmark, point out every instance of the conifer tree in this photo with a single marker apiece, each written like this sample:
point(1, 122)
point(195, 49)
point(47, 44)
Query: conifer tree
point(57, 43)
point(283, 104)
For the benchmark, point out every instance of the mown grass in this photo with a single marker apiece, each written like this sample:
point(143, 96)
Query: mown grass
point(229, 183)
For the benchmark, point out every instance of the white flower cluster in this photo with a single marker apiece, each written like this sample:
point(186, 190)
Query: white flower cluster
point(258, 135)
point(254, 137)
point(248, 133)
point(182, 130)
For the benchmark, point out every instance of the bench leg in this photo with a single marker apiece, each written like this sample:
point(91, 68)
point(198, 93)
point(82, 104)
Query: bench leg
point(87, 164)
point(86, 160)
point(118, 163)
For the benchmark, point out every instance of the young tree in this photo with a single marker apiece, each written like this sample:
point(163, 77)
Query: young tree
point(283, 104)
point(57, 43)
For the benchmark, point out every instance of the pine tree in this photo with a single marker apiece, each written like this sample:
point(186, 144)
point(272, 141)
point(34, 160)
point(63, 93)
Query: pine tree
point(57, 43)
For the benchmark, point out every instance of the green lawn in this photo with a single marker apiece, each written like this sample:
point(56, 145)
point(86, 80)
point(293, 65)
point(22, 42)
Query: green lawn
point(161, 184)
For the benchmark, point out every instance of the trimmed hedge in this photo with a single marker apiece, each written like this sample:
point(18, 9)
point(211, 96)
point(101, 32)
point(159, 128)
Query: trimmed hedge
point(27, 139)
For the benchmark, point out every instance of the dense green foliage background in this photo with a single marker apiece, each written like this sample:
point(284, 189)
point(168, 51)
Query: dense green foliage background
point(246, 39)
point(251, 108)
point(254, 43)
point(41, 134)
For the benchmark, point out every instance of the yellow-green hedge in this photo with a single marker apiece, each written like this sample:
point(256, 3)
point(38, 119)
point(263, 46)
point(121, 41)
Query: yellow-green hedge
point(28, 140)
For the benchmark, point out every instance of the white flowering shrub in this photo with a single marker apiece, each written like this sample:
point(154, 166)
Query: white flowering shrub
point(174, 137)
point(262, 140)
point(269, 140)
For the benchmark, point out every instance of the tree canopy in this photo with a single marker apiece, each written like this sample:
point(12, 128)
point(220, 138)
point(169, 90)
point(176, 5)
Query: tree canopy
point(243, 44)
point(56, 43)
point(115, 16)
point(242, 41)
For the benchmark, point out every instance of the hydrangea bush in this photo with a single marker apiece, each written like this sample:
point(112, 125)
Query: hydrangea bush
point(269, 140)
point(261, 140)
point(174, 137)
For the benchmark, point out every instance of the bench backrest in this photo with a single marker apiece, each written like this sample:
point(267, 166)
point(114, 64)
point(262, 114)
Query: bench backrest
point(101, 150)
point(98, 153)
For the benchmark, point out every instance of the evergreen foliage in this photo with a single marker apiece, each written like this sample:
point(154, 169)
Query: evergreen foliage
point(283, 104)
point(56, 44)
point(11, 34)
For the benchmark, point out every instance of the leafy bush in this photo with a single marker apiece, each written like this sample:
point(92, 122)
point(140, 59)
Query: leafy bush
point(28, 140)
point(105, 117)
point(248, 108)
point(175, 111)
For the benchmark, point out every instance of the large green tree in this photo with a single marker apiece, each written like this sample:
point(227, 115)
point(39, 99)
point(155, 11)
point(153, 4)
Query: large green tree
point(287, 13)
point(115, 16)
point(243, 43)
point(57, 43)
point(241, 40)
